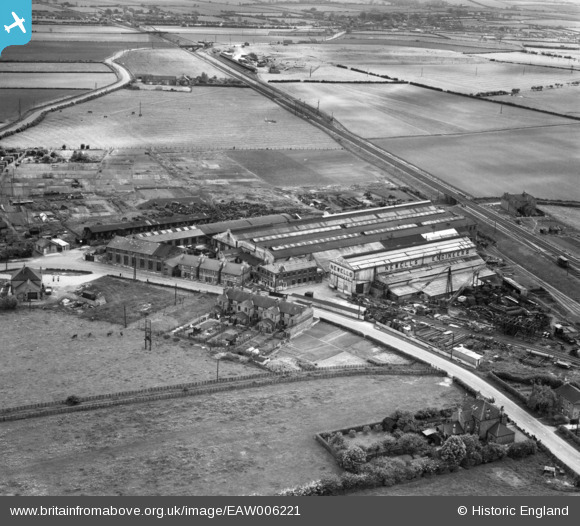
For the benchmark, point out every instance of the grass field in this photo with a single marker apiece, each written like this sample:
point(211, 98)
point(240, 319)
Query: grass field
point(70, 38)
point(28, 98)
point(206, 118)
point(233, 443)
point(403, 110)
point(540, 161)
point(167, 62)
point(40, 361)
point(475, 78)
point(68, 52)
point(56, 80)
point(506, 478)
point(292, 169)
point(537, 60)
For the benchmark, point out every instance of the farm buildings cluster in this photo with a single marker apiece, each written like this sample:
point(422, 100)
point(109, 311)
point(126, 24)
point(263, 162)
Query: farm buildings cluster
point(399, 251)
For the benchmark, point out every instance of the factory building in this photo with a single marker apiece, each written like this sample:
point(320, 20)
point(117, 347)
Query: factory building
point(438, 266)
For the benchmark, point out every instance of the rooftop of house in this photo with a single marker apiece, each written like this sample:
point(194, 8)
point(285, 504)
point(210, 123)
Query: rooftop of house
point(569, 392)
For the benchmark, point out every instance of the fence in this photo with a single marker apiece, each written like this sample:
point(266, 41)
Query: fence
point(197, 388)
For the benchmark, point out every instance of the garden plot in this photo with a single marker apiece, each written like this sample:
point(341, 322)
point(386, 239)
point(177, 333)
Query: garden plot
point(232, 443)
point(404, 110)
point(542, 161)
point(167, 62)
point(327, 345)
point(57, 80)
point(207, 118)
point(476, 78)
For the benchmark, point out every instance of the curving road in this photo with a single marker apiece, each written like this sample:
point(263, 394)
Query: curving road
point(123, 78)
point(565, 452)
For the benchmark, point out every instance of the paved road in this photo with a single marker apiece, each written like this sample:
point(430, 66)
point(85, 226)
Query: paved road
point(565, 452)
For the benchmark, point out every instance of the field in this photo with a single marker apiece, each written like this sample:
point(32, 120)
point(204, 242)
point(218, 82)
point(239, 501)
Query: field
point(537, 60)
point(29, 98)
point(53, 67)
point(402, 110)
point(475, 78)
point(65, 29)
point(565, 101)
point(295, 169)
point(540, 161)
point(57, 80)
point(327, 345)
point(506, 478)
point(206, 118)
point(568, 215)
point(233, 443)
point(167, 62)
point(67, 51)
point(40, 361)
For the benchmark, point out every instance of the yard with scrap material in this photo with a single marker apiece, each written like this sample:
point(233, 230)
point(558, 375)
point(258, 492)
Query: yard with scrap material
point(232, 443)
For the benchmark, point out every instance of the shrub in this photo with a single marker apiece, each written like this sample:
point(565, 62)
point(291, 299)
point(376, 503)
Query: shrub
point(424, 414)
point(388, 444)
point(411, 443)
point(352, 433)
point(337, 441)
point(561, 419)
point(73, 400)
point(352, 481)
point(453, 451)
point(366, 430)
point(406, 421)
point(352, 458)
point(522, 449)
point(492, 452)
point(473, 449)
point(8, 303)
point(330, 485)
point(378, 428)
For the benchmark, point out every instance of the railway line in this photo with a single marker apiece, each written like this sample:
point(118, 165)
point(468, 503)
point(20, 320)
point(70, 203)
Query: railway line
point(416, 174)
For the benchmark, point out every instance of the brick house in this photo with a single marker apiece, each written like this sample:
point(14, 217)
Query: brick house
point(26, 284)
point(479, 418)
point(202, 268)
point(138, 253)
point(268, 313)
point(568, 400)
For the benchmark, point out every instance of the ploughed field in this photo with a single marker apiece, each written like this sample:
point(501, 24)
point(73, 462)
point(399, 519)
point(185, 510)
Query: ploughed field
point(542, 161)
point(232, 443)
point(10, 99)
point(206, 118)
point(48, 80)
point(394, 110)
point(166, 62)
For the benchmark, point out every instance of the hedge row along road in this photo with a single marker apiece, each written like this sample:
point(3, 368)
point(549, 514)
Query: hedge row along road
point(564, 451)
point(123, 78)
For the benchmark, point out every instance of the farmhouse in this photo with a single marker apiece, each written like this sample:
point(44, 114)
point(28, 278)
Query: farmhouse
point(268, 313)
point(568, 400)
point(26, 284)
point(519, 205)
point(479, 418)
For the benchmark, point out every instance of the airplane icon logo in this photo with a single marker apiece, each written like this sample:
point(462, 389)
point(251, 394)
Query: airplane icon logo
point(15, 23)
point(18, 22)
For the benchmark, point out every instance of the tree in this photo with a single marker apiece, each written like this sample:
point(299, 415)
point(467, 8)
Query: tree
point(352, 458)
point(542, 399)
point(411, 443)
point(453, 450)
point(472, 450)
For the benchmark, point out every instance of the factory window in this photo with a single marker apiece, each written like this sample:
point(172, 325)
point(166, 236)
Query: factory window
point(158, 265)
point(150, 265)
point(118, 258)
point(125, 260)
